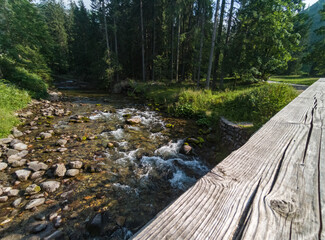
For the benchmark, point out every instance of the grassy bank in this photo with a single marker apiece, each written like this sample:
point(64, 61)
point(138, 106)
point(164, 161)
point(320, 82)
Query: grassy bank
point(255, 103)
point(11, 100)
point(295, 79)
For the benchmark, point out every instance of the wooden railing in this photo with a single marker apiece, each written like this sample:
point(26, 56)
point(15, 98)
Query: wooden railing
point(271, 188)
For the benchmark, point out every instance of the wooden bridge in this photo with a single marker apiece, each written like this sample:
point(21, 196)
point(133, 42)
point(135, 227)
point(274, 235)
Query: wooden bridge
point(271, 188)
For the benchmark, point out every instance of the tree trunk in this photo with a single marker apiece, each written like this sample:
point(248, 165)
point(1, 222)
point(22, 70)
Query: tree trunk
point(105, 26)
point(172, 54)
point(154, 42)
point(116, 49)
point(231, 10)
point(201, 47)
point(142, 43)
point(219, 48)
point(207, 86)
point(178, 45)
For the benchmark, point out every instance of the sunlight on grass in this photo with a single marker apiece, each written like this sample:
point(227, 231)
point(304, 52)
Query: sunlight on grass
point(294, 79)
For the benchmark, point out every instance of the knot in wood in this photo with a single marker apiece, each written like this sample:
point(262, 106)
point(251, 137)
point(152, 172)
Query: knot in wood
point(283, 207)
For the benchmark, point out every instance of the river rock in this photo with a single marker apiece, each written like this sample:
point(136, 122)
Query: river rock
point(72, 172)
point(61, 142)
point(3, 199)
point(75, 164)
point(59, 170)
point(50, 186)
point(16, 133)
point(39, 227)
point(41, 195)
point(35, 203)
point(1, 191)
point(20, 163)
point(56, 235)
point(95, 225)
point(5, 140)
point(23, 153)
point(36, 166)
point(37, 174)
point(186, 149)
point(17, 202)
point(13, 193)
point(20, 146)
point(13, 158)
point(45, 135)
point(134, 120)
point(11, 152)
point(32, 189)
point(3, 166)
point(23, 174)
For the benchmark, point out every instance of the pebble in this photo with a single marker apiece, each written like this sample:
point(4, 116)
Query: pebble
point(16, 133)
point(20, 163)
point(23, 174)
point(72, 172)
point(35, 203)
point(41, 195)
point(59, 170)
point(3, 199)
point(1, 191)
point(37, 174)
point(39, 227)
point(3, 166)
point(17, 202)
point(50, 186)
point(56, 235)
point(5, 140)
point(13, 193)
point(61, 142)
point(32, 189)
point(11, 152)
point(44, 135)
point(76, 164)
point(20, 146)
point(14, 158)
point(23, 153)
point(36, 166)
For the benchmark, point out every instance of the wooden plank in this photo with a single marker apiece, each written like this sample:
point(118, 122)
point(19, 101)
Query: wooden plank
point(271, 188)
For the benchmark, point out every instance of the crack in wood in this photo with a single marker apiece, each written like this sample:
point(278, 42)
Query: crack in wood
point(245, 215)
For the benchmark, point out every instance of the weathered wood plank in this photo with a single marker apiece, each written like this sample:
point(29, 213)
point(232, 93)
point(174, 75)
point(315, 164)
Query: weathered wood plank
point(271, 188)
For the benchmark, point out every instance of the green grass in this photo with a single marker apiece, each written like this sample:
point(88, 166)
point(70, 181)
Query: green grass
point(255, 103)
point(294, 79)
point(11, 100)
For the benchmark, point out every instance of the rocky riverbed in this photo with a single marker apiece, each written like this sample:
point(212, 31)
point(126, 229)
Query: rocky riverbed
point(95, 167)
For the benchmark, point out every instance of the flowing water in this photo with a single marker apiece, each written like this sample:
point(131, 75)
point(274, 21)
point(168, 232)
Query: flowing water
point(130, 171)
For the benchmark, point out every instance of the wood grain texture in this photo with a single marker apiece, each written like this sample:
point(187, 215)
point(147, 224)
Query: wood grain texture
point(271, 188)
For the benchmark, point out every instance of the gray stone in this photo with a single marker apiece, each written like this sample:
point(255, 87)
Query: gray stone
point(3, 166)
point(50, 186)
point(44, 135)
point(11, 152)
point(35, 203)
point(20, 146)
point(13, 158)
point(37, 174)
point(39, 227)
point(23, 174)
point(61, 142)
point(3, 199)
point(95, 225)
point(16, 133)
point(59, 170)
point(1, 191)
point(41, 195)
point(13, 193)
point(75, 164)
point(17, 202)
point(19, 163)
point(72, 172)
point(32, 189)
point(5, 140)
point(36, 166)
point(56, 235)
point(23, 153)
